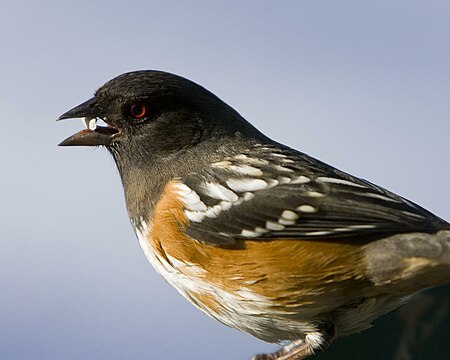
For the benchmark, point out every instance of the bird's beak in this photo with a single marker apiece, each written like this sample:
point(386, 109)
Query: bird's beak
point(92, 135)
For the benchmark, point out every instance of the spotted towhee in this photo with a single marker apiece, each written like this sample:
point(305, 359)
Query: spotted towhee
point(257, 235)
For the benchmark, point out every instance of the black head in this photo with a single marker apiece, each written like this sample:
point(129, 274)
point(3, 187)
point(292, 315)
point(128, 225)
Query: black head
point(153, 113)
point(159, 126)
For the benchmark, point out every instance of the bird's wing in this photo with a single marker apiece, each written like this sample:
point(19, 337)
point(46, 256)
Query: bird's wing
point(271, 192)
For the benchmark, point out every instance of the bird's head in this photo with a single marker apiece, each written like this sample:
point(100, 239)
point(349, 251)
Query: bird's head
point(154, 115)
point(159, 126)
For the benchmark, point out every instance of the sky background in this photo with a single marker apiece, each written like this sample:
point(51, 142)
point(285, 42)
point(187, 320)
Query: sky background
point(362, 85)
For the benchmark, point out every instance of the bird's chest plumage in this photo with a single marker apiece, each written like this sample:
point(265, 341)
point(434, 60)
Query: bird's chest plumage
point(270, 289)
point(217, 292)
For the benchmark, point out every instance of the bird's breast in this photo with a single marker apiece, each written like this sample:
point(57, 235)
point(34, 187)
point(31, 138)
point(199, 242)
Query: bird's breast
point(271, 289)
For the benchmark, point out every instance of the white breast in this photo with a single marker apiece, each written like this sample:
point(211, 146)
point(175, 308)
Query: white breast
point(244, 310)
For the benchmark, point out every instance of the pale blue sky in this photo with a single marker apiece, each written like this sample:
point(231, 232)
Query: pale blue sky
point(362, 85)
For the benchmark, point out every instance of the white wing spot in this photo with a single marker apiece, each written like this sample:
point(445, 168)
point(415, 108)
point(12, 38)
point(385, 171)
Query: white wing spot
point(261, 230)
point(258, 231)
point(195, 216)
point(282, 168)
point(279, 155)
point(338, 181)
point(341, 229)
point(225, 205)
point(249, 233)
point(289, 215)
point(213, 211)
point(182, 189)
point(319, 233)
point(409, 213)
point(286, 222)
point(246, 184)
point(284, 180)
point(220, 192)
point(256, 161)
point(240, 157)
point(246, 170)
point(190, 198)
point(306, 209)
point(222, 164)
point(274, 226)
point(354, 227)
point(382, 197)
point(300, 180)
point(315, 194)
point(362, 226)
point(200, 206)
point(272, 183)
point(248, 196)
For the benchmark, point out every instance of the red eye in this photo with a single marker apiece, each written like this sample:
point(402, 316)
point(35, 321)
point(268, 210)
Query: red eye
point(138, 110)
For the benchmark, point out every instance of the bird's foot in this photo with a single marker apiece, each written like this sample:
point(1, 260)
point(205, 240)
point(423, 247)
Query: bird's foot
point(302, 348)
point(296, 350)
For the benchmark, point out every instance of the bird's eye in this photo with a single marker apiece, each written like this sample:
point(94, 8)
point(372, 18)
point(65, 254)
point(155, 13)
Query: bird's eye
point(138, 110)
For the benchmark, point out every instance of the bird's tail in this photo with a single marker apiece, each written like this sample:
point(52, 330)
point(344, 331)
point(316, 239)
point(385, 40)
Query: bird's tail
point(410, 262)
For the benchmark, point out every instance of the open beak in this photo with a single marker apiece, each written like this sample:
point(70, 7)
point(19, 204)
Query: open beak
point(92, 135)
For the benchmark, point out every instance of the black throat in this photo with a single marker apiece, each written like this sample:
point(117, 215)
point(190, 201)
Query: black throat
point(145, 172)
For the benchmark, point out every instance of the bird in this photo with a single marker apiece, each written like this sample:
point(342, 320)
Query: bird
point(259, 236)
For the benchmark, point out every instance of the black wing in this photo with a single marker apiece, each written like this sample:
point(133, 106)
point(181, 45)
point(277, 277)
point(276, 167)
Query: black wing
point(270, 192)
